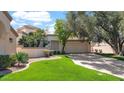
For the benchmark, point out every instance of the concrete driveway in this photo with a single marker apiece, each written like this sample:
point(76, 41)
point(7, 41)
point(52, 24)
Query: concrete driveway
point(99, 63)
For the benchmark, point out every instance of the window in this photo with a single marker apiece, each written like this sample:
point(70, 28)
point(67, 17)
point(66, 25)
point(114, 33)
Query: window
point(10, 40)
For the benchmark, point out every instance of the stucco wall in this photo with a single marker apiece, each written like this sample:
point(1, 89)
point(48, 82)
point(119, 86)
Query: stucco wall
point(10, 45)
point(2, 46)
point(6, 47)
point(2, 38)
point(51, 37)
point(5, 21)
point(32, 52)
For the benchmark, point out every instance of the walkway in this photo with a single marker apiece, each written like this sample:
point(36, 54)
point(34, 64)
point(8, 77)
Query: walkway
point(43, 58)
point(99, 63)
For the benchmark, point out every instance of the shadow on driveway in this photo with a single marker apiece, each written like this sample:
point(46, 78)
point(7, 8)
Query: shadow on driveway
point(99, 63)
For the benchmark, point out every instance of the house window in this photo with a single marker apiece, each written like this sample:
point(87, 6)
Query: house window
point(10, 40)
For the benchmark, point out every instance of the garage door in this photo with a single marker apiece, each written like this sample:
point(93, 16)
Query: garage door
point(77, 47)
point(55, 45)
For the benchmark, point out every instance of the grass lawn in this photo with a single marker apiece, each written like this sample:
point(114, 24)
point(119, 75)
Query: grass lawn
point(58, 70)
point(113, 56)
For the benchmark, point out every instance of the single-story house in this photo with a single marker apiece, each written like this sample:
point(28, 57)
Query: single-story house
point(7, 35)
point(74, 45)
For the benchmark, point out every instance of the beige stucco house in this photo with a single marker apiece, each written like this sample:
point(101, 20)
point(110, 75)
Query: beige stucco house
point(7, 35)
point(26, 29)
point(74, 45)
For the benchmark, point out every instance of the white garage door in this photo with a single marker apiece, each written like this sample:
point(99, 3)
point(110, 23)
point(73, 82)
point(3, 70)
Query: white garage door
point(77, 47)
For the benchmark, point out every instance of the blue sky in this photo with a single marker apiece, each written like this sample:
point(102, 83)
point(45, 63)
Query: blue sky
point(41, 19)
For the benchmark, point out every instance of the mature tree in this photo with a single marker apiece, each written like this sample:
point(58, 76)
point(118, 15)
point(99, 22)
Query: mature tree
point(62, 32)
point(110, 28)
point(80, 23)
point(32, 39)
point(98, 27)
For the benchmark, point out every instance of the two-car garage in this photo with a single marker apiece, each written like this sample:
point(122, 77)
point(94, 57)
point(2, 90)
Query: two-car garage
point(72, 46)
point(77, 46)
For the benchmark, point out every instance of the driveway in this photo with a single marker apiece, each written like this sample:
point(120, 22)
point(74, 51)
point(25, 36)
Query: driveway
point(99, 63)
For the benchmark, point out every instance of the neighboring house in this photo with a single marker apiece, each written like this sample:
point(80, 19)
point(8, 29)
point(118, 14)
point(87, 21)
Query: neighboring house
point(74, 45)
point(26, 29)
point(7, 35)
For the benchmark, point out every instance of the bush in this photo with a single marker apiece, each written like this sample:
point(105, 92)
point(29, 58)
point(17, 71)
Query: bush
point(21, 57)
point(51, 53)
point(96, 50)
point(4, 61)
point(100, 50)
point(58, 52)
point(54, 52)
point(46, 53)
point(13, 60)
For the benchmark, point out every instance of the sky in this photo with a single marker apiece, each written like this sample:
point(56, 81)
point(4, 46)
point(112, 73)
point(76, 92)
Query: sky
point(41, 19)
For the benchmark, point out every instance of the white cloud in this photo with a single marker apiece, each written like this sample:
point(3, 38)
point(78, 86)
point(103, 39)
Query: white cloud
point(32, 16)
point(17, 24)
point(13, 22)
point(37, 24)
point(51, 29)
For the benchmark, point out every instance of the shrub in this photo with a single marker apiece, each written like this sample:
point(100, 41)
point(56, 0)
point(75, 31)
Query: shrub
point(13, 60)
point(4, 61)
point(96, 50)
point(54, 52)
point(100, 50)
point(46, 53)
point(21, 57)
point(51, 53)
point(58, 52)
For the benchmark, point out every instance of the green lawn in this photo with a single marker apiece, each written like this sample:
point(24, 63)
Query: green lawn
point(113, 56)
point(60, 69)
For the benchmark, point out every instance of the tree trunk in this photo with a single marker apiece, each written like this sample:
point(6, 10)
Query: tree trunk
point(63, 48)
point(120, 49)
point(116, 47)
